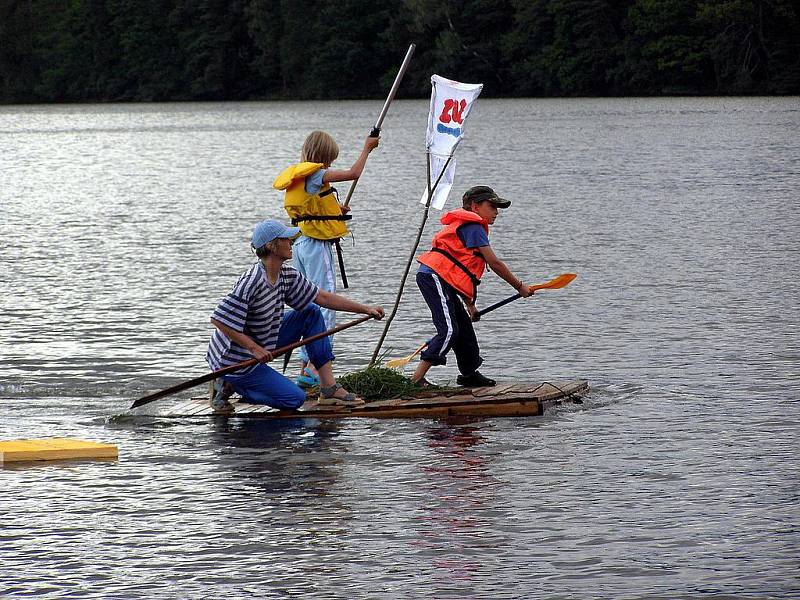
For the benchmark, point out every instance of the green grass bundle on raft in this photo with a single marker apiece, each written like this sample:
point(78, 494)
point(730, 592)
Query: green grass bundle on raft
point(379, 383)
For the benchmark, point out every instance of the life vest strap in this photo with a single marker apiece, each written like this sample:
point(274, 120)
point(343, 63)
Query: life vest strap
point(302, 218)
point(341, 263)
point(475, 281)
point(329, 191)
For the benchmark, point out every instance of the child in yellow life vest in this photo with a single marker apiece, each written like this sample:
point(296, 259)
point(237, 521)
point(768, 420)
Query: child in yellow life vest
point(448, 277)
point(313, 205)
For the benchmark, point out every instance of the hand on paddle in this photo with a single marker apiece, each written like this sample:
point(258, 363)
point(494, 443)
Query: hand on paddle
point(376, 312)
point(556, 283)
point(371, 143)
point(524, 290)
point(263, 356)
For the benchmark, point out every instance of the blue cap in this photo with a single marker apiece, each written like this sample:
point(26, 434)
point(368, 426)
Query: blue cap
point(269, 230)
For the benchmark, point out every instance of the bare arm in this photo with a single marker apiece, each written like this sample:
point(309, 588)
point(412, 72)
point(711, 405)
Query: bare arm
point(499, 267)
point(354, 172)
point(337, 302)
point(245, 341)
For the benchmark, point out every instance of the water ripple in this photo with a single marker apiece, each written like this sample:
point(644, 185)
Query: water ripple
point(121, 226)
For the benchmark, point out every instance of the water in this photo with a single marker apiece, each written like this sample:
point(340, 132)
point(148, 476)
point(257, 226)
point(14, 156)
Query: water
point(121, 227)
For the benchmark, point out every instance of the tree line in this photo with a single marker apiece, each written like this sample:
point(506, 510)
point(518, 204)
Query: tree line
point(172, 50)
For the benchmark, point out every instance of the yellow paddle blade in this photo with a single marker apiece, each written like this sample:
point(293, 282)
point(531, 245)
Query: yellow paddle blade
point(396, 363)
point(556, 283)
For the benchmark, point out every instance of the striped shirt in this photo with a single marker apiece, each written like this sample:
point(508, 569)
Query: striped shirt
point(255, 307)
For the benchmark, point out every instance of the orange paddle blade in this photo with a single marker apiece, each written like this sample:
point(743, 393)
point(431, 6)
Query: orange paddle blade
point(396, 363)
point(556, 283)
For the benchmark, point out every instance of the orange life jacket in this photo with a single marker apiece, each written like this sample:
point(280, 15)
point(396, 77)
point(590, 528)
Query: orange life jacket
point(458, 265)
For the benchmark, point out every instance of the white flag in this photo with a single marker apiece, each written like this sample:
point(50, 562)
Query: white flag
point(445, 183)
point(451, 102)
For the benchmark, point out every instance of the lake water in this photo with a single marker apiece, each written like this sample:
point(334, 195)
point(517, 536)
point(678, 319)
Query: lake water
point(121, 226)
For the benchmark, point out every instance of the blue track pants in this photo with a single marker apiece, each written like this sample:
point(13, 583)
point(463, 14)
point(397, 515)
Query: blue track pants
point(453, 326)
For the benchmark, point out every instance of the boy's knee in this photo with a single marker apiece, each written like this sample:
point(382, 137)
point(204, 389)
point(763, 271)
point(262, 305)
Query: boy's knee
point(436, 360)
point(312, 309)
point(312, 312)
point(296, 399)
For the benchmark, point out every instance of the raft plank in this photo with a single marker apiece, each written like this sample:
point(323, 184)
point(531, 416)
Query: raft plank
point(509, 399)
point(245, 408)
point(497, 390)
point(54, 449)
point(198, 408)
point(186, 405)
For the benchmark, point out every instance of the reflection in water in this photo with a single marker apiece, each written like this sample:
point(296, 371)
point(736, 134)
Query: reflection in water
point(461, 487)
point(285, 476)
point(694, 373)
point(282, 455)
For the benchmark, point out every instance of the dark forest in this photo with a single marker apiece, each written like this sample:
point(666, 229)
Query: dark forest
point(175, 50)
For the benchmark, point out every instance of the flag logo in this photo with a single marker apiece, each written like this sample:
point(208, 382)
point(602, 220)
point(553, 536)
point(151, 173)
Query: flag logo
point(451, 102)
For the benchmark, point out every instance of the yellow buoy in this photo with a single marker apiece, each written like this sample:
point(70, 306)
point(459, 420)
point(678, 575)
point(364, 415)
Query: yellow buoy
point(54, 449)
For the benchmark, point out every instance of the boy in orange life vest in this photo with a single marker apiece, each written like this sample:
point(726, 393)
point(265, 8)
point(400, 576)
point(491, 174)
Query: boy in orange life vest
point(450, 273)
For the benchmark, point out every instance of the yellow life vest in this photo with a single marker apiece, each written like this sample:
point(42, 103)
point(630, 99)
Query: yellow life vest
point(319, 216)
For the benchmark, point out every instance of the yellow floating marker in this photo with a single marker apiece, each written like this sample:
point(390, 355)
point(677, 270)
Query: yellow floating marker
point(54, 449)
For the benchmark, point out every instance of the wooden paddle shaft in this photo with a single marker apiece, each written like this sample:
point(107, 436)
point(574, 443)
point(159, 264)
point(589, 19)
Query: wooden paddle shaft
point(247, 363)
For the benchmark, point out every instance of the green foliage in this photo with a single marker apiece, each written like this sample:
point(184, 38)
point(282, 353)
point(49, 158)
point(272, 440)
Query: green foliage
point(754, 45)
point(663, 49)
point(144, 50)
point(378, 383)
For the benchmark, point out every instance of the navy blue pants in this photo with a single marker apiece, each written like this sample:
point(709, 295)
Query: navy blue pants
point(265, 385)
point(453, 326)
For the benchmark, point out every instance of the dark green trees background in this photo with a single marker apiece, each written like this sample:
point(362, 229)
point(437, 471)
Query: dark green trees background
point(159, 50)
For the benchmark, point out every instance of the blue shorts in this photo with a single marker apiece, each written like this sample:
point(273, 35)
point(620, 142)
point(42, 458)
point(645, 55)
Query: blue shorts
point(265, 385)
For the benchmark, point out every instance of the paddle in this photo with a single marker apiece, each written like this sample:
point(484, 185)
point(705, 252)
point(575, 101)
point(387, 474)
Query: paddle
point(215, 374)
point(377, 129)
point(396, 363)
point(556, 283)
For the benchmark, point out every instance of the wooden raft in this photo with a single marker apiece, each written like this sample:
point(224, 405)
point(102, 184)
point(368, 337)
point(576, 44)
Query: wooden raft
point(503, 400)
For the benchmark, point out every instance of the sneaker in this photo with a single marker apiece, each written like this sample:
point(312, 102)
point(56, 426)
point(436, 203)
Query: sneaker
point(220, 403)
point(475, 380)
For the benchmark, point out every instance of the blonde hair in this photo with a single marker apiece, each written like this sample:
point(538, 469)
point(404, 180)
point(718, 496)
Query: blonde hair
point(319, 147)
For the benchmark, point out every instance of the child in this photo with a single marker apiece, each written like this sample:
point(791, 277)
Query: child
point(314, 206)
point(251, 322)
point(449, 273)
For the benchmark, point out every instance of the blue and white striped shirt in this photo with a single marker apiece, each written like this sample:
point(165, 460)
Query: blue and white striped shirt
point(255, 307)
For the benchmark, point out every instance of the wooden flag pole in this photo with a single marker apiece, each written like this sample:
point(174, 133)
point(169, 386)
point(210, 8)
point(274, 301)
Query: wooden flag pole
point(431, 190)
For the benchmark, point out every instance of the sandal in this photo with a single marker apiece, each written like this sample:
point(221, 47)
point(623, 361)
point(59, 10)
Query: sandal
point(219, 402)
point(328, 397)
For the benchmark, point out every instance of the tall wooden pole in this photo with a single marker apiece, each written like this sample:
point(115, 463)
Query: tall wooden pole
point(392, 92)
point(431, 190)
